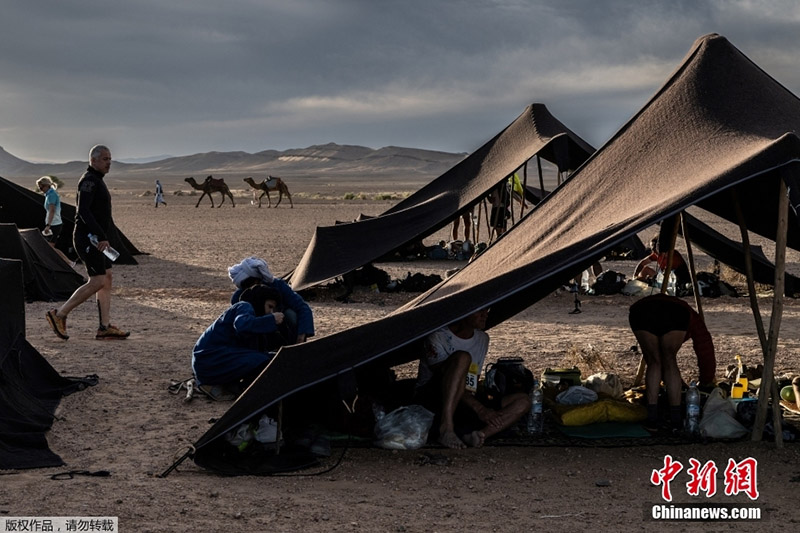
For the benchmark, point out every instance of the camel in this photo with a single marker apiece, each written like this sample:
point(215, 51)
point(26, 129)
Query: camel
point(274, 183)
point(211, 185)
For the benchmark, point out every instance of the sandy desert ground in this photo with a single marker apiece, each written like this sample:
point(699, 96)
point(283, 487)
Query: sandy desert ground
point(130, 425)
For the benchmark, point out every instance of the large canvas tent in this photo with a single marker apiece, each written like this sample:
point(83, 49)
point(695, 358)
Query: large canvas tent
point(24, 208)
point(30, 389)
point(46, 277)
point(336, 250)
point(718, 125)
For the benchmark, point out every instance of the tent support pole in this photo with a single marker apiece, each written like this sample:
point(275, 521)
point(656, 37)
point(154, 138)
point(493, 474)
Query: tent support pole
point(668, 268)
point(541, 178)
point(690, 257)
point(640, 370)
point(524, 188)
point(511, 196)
point(280, 428)
point(748, 269)
point(768, 386)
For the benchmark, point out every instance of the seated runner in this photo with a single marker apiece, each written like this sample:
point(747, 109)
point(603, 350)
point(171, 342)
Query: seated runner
point(447, 383)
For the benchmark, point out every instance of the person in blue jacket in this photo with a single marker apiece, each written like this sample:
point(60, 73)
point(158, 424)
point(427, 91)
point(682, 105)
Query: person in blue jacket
point(298, 319)
point(229, 353)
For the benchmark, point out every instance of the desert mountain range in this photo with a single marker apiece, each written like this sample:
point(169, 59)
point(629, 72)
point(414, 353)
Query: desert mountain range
point(330, 160)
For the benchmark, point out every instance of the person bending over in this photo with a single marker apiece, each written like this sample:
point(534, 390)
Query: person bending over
point(447, 384)
point(228, 353)
point(299, 320)
point(661, 324)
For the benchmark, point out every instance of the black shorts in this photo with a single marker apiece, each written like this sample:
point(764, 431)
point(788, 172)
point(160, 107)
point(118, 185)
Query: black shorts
point(56, 232)
point(94, 260)
point(498, 217)
point(658, 316)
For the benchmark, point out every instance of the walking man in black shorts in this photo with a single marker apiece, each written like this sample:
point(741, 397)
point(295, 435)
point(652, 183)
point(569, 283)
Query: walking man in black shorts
point(93, 218)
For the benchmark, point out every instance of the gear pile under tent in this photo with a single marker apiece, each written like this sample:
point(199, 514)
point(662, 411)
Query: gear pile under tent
point(720, 135)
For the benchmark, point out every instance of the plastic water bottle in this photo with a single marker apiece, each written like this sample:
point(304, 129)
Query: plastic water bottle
point(535, 423)
point(673, 283)
point(585, 281)
point(693, 410)
point(109, 252)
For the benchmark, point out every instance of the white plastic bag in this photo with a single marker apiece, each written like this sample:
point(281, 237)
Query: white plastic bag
point(719, 418)
point(605, 383)
point(267, 431)
point(405, 428)
point(576, 395)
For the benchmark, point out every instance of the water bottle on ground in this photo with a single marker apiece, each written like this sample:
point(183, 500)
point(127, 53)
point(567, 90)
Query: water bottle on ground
point(693, 410)
point(108, 252)
point(673, 283)
point(585, 281)
point(535, 423)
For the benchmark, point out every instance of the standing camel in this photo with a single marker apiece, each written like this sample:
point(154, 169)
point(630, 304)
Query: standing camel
point(274, 183)
point(211, 185)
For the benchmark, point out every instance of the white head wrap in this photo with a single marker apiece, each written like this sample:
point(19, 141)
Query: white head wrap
point(252, 267)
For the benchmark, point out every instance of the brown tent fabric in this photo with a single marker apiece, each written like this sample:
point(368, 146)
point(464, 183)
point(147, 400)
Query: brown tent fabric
point(718, 123)
point(336, 250)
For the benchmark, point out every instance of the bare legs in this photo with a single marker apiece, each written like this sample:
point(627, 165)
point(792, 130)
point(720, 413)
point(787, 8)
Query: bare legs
point(454, 377)
point(467, 218)
point(660, 354)
point(100, 286)
point(453, 388)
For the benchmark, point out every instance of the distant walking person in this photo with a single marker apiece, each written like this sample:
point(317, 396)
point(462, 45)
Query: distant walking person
point(94, 218)
point(159, 194)
point(52, 217)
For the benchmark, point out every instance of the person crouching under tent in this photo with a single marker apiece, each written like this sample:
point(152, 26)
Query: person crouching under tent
point(230, 352)
point(298, 322)
point(647, 269)
point(661, 324)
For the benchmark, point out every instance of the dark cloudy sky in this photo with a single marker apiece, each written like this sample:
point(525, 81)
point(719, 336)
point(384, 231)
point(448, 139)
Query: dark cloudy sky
point(152, 77)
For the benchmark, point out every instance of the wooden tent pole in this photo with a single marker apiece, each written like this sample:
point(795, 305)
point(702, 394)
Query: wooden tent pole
point(524, 188)
point(668, 268)
point(768, 386)
point(748, 269)
point(510, 190)
point(690, 257)
point(640, 370)
point(541, 178)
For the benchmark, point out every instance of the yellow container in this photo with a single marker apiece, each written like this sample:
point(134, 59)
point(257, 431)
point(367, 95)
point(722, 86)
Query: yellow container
point(737, 391)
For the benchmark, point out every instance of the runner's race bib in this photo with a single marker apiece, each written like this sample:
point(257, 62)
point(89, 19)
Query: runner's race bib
point(472, 377)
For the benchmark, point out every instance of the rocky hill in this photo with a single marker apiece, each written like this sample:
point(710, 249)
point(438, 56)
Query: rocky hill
point(329, 160)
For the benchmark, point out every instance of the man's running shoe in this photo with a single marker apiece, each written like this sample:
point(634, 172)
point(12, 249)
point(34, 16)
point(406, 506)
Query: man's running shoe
point(58, 324)
point(111, 332)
